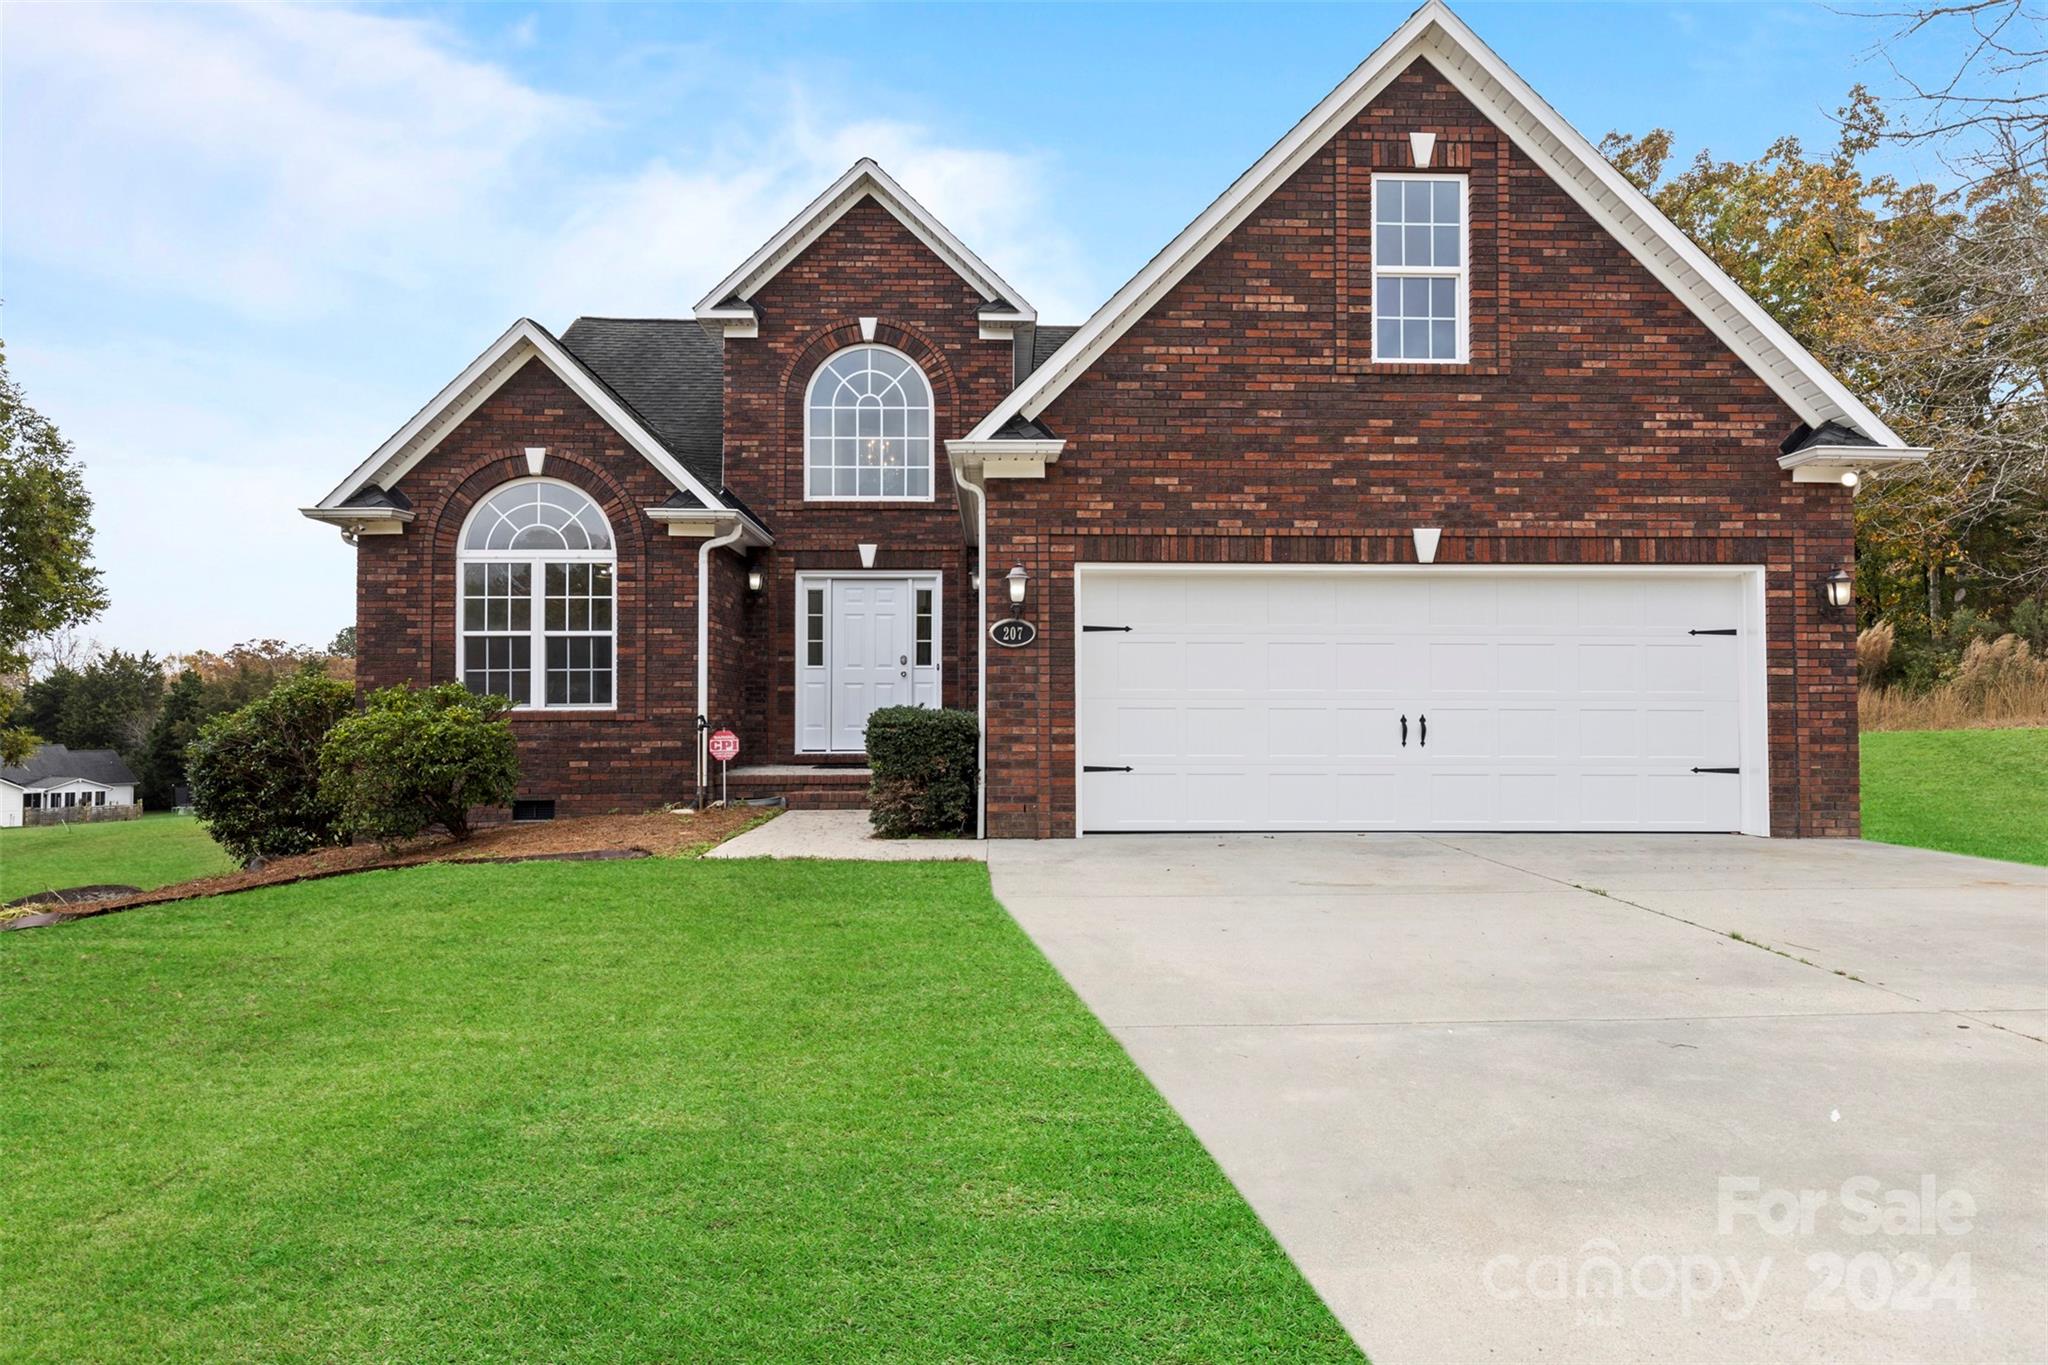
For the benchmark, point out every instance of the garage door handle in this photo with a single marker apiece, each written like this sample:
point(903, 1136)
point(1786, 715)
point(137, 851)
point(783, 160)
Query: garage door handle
point(1717, 770)
point(1102, 768)
point(1404, 732)
point(1425, 732)
point(1088, 630)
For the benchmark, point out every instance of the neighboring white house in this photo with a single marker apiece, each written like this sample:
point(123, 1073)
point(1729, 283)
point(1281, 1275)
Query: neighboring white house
point(60, 779)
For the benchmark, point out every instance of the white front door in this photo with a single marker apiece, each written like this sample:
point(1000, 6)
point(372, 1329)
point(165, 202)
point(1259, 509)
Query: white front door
point(1449, 699)
point(863, 642)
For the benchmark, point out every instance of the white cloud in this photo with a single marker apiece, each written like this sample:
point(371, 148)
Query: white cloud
point(243, 244)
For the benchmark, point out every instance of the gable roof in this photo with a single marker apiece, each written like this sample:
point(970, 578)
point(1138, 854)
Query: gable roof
point(52, 765)
point(671, 373)
point(730, 299)
point(524, 340)
point(1439, 36)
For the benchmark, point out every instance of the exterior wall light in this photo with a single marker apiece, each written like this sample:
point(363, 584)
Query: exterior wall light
point(974, 579)
point(754, 580)
point(1016, 578)
point(1841, 589)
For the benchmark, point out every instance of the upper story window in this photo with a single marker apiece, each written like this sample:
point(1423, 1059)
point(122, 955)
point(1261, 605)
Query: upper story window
point(1419, 254)
point(536, 623)
point(868, 428)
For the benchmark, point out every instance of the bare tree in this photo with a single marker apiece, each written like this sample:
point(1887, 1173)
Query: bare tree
point(1984, 108)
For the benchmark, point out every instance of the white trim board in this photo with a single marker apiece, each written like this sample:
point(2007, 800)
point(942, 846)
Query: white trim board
point(524, 340)
point(1439, 36)
point(865, 179)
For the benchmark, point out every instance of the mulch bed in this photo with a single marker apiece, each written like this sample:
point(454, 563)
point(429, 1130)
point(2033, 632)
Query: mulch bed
point(72, 894)
point(592, 838)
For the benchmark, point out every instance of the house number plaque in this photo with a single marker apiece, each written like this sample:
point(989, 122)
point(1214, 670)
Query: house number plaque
point(1012, 633)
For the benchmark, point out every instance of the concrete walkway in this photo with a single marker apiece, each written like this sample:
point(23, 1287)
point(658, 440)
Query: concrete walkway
point(1468, 1081)
point(840, 834)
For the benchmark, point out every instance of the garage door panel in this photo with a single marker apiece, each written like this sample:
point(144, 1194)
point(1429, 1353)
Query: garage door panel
point(1274, 700)
point(1461, 666)
point(1224, 666)
point(1529, 666)
point(1609, 666)
point(1303, 732)
point(1220, 732)
point(1455, 602)
point(1367, 732)
point(1300, 666)
point(1527, 732)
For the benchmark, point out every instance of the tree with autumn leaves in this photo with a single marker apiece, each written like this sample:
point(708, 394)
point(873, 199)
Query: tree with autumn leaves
point(1929, 304)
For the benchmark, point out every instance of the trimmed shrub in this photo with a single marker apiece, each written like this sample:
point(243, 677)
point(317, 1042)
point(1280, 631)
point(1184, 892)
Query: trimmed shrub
point(415, 761)
point(255, 773)
point(923, 763)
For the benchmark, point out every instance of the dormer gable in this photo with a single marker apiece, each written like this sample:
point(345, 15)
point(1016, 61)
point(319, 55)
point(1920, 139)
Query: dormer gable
point(728, 307)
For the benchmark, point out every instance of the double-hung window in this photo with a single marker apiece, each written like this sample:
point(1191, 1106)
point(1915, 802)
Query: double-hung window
point(1419, 268)
point(538, 570)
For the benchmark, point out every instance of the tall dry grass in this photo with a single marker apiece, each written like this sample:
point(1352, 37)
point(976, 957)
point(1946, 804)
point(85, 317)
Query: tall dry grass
point(1996, 683)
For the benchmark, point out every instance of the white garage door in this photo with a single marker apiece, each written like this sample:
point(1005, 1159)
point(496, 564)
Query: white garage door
point(1446, 699)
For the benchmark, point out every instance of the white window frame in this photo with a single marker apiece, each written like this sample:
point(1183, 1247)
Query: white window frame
point(537, 632)
point(931, 483)
point(1462, 274)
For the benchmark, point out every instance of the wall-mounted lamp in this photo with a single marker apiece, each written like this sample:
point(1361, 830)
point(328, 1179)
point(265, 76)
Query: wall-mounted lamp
point(754, 579)
point(1840, 587)
point(867, 556)
point(1016, 578)
point(974, 579)
point(1850, 478)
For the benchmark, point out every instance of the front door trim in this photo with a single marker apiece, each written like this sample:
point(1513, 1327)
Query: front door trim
point(1752, 701)
point(913, 579)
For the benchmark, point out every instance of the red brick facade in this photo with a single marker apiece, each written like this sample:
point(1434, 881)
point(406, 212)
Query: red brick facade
point(1244, 421)
point(865, 265)
point(633, 758)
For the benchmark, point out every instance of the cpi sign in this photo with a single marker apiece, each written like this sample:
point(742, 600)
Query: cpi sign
point(725, 745)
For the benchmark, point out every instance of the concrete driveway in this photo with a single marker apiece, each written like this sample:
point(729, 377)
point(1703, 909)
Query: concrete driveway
point(1526, 1097)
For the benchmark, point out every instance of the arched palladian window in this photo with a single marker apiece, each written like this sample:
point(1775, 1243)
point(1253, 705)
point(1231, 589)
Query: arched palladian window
point(868, 425)
point(538, 565)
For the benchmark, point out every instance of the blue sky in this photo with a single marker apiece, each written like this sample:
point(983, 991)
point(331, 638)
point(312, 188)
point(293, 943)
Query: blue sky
point(240, 246)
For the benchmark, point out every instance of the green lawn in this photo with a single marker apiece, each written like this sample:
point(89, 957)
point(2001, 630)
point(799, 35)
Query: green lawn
point(152, 851)
point(658, 1110)
point(1964, 791)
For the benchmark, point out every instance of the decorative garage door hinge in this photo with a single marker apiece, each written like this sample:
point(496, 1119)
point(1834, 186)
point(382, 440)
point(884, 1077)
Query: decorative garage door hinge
point(1717, 770)
point(1102, 768)
point(1086, 629)
point(1723, 630)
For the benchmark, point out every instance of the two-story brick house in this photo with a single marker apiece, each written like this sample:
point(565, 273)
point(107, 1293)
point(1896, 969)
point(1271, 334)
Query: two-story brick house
point(1429, 479)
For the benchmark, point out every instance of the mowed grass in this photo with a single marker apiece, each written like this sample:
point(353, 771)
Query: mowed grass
point(1964, 791)
point(663, 1110)
point(148, 852)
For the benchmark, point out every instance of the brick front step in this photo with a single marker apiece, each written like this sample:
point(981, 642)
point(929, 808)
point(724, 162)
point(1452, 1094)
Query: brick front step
point(805, 787)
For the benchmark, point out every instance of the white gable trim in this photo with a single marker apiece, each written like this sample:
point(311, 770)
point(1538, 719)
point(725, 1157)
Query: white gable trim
point(864, 180)
point(1545, 138)
point(524, 340)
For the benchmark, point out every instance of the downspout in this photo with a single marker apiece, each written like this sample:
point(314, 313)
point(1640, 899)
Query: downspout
point(980, 650)
point(739, 529)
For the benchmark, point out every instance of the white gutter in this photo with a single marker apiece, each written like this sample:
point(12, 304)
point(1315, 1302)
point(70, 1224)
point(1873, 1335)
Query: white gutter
point(739, 529)
point(980, 650)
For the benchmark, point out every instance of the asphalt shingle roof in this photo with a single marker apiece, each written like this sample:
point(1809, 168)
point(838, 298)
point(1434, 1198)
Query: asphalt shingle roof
point(670, 373)
point(1046, 341)
point(53, 765)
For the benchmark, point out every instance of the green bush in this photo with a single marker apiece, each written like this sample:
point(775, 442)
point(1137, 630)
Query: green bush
point(255, 773)
point(923, 763)
point(414, 761)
